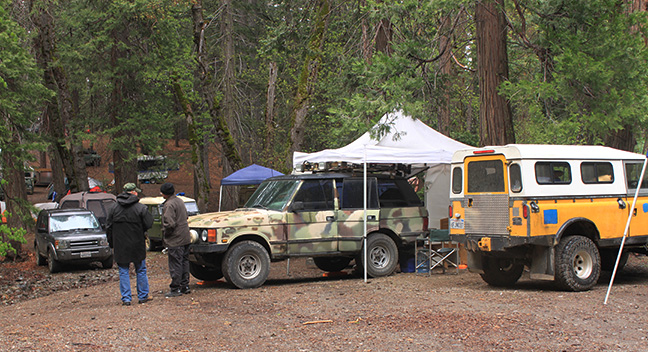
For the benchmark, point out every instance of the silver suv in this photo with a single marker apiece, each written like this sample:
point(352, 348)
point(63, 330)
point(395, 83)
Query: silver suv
point(70, 236)
point(308, 215)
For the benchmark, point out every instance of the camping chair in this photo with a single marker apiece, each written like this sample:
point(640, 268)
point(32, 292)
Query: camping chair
point(428, 257)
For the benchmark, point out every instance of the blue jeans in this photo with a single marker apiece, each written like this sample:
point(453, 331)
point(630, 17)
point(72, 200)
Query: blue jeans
point(124, 281)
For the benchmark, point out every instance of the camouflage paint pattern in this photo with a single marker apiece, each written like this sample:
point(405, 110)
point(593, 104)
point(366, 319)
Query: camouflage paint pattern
point(308, 233)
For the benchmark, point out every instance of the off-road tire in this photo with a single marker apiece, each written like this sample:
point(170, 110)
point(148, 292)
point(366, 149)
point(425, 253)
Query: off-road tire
point(382, 255)
point(332, 264)
point(40, 260)
point(53, 265)
point(107, 263)
point(578, 264)
point(501, 272)
point(204, 273)
point(246, 264)
point(151, 245)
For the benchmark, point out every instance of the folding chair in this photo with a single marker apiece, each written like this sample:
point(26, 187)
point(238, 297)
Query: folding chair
point(431, 257)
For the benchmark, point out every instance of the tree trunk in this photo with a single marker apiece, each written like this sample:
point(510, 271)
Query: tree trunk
point(269, 116)
point(492, 62)
point(307, 80)
point(59, 110)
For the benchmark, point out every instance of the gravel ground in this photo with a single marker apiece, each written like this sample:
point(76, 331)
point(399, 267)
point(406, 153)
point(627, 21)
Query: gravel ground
point(80, 310)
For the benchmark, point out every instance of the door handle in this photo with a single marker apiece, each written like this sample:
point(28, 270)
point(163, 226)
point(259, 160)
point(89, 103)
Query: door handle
point(330, 218)
point(371, 217)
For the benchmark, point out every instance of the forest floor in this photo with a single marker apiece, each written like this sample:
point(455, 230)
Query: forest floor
point(301, 309)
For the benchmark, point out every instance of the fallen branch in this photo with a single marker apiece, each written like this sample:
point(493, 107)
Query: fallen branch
point(317, 322)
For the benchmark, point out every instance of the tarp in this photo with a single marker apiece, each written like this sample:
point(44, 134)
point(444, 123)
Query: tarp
point(251, 175)
point(409, 141)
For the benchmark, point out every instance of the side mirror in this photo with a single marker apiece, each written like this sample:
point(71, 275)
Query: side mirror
point(297, 206)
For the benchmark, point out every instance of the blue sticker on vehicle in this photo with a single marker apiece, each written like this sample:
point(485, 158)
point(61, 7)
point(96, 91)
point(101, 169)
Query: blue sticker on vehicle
point(550, 216)
point(645, 207)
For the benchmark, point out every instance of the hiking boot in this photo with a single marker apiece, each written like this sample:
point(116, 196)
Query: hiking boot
point(185, 290)
point(145, 300)
point(126, 303)
point(173, 293)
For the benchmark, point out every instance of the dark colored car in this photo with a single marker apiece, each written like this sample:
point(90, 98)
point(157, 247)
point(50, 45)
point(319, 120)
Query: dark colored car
point(70, 236)
point(91, 158)
point(99, 202)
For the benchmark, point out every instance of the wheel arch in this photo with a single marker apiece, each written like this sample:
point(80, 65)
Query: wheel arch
point(253, 237)
point(578, 226)
point(391, 234)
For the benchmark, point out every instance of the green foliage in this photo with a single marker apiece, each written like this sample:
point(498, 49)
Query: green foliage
point(593, 80)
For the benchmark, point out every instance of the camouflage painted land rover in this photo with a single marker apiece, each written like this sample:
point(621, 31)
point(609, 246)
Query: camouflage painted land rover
point(308, 215)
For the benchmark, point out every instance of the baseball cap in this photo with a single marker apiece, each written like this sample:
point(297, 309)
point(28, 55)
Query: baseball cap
point(129, 187)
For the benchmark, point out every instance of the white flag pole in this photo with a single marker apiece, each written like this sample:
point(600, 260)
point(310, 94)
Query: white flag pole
point(365, 213)
point(625, 232)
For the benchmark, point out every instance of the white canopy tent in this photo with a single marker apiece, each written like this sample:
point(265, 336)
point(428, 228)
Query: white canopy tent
point(409, 141)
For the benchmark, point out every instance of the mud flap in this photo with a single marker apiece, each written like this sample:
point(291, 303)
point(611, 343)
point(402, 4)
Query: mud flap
point(475, 262)
point(542, 263)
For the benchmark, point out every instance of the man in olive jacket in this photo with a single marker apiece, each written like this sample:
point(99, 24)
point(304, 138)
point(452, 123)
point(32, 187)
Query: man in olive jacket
point(177, 239)
point(126, 227)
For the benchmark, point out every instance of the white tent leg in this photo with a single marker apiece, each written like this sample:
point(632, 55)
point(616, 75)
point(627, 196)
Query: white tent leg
point(220, 198)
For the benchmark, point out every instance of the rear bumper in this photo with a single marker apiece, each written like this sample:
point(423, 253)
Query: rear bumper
point(501, 243)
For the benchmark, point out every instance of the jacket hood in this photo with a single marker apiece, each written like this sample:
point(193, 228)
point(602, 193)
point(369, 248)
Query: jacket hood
point(126, 199)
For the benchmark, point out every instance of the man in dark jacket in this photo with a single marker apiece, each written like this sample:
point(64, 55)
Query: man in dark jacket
point(176, 239)
point(126, 227)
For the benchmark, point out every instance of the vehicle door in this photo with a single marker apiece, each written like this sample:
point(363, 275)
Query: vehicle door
point(155, 231)
point(350, 212)
point(42, 231)
point(310, 220)
point(639, 222)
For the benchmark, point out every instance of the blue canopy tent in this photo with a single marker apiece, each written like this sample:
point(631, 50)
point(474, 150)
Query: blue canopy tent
point(251, 175)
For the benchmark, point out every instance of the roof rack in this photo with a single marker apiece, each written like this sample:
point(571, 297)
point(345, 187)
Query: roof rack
point(343, 166)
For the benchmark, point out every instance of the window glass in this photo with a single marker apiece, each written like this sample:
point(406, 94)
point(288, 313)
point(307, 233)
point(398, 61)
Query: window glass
point(457, 180)
point(72, 222)
point(600, 172)
point(548, 173)
point(352, 195)
point(273, 195)
point(633, 171)
point(316, 195)
point(486, 176)
point(69, 204)
point(515, 178)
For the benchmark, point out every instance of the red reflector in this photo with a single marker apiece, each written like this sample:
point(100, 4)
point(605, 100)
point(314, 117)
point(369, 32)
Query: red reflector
point(450, 211)
point(211, 235)
point(525, 211)
point(487, 151)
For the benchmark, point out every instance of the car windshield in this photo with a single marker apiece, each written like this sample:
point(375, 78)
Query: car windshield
point(273, 195)
point(192, 208)
point(69, 222)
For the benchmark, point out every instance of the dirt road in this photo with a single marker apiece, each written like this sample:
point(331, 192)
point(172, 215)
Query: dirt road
point(309, 312)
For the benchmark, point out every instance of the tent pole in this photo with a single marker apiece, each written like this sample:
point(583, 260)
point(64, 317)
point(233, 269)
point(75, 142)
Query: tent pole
point(220, 198)
point(625, 232)
point(365, 213)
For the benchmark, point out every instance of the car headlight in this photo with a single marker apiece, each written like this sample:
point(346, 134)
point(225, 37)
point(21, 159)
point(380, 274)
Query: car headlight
point(62, 244)
point(194, 236)
point(204, 235)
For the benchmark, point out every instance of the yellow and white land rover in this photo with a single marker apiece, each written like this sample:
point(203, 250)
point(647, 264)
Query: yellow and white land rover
point(560, 210)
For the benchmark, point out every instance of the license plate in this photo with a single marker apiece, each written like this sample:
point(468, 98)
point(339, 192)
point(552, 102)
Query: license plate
point(86, 254)
point(457, 224)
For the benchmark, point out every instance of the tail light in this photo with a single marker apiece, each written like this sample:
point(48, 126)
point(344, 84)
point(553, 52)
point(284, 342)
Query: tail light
point(426, 222)
point(450, 211)
point(525, 211)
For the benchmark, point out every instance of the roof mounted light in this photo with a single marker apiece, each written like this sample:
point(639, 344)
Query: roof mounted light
point(485, 151)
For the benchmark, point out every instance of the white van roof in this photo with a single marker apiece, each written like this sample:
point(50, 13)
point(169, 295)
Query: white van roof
point(550, 151)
